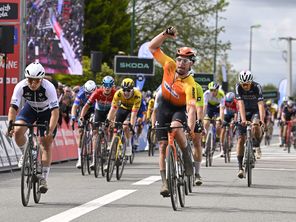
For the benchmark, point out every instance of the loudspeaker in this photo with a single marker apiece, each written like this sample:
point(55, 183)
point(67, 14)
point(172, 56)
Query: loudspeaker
point(6, 39)
point(96, 61)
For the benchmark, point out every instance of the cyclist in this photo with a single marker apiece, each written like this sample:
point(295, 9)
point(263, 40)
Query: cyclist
point(141, 118)
point(250, 103)
point(230, 114)
point(125, 106)
point(279, 117)
point(269, 117)
point(102, 97)
point(81, 98)
point(197, 151)
point(150, 107)
point(41, 104)
point(178, 96)
point(214, 107)
point(288, 114)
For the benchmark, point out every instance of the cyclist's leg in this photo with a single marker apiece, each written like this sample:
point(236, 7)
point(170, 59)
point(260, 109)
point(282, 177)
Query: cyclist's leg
point(123, 116)
point(179, 117)
point(197, 155)
point(257, 135)
point(161, 120)
point(45, 144)
point(241, 131)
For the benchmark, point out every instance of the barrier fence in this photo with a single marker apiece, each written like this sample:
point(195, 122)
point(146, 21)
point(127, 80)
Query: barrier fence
point(64, 145)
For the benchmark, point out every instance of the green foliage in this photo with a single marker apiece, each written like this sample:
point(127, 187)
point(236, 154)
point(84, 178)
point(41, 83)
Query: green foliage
point(269, 87)
point(72, 80)
point(107, 27)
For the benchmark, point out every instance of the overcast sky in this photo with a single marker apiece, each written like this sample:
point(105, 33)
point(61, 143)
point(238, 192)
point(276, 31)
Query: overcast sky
point(277, 19)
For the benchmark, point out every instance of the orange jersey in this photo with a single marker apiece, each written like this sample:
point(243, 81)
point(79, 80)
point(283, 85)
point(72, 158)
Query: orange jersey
point(177, 91)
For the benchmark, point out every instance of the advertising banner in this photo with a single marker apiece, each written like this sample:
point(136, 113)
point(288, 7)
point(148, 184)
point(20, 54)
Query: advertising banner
point(55, 35)
point(10, 12)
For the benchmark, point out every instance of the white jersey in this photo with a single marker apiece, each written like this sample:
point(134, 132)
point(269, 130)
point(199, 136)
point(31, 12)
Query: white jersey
point(45, 97)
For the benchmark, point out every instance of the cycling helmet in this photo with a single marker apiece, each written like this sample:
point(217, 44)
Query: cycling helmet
point(148, 93)
point(108, 81)
point(268, 102)
point(35, 71)
point(127, 83)
point(285, 99)
point(229, 97)
point(245, 76)
point(290, 103)
point(213, 85)
point(186, 52)
point(90, 86)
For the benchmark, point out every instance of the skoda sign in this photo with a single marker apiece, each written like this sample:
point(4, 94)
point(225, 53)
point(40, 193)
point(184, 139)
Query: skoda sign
point(132, 65)
point(203, 79)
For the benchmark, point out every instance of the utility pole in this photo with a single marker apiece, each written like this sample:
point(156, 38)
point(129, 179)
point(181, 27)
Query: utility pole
point(251, 39)
point(289, 63)
point(215, 50)
point(133, 29)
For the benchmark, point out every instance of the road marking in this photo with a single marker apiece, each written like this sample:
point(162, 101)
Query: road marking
point(148, 180)
point(275, 169)
point(76, 212)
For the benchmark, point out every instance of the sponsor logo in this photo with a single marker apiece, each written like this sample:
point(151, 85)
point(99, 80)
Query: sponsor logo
point(172, 92)
point(134, 65)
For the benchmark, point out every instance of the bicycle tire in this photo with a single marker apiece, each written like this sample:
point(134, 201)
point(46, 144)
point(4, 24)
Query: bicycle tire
point(249, 163)
point(83, 155)
point(121, 161)
point(89, 153)
point(172, 177)
point(98, 155)
point(208, 150)
point(112, 159)
point(26, 176)
point(226, 147)
point(289, 144)
point(36, 183)
point(104, 156)
point(132, 157)
point(181, 183)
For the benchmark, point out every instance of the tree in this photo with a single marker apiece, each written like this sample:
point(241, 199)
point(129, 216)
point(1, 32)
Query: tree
point(107, 27)
point(193, 20)
point(269, 87)
point(72, 80)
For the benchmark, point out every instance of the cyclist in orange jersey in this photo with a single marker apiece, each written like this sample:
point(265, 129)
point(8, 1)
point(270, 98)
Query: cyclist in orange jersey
point(178, 97)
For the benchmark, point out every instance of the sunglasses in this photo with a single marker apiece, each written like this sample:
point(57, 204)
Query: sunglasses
point(245, 84)
point(126, 90)
point(184, 60)
point(31, 80)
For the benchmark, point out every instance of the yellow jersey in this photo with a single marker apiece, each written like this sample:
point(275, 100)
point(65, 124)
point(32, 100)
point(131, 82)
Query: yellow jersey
point(133, 103)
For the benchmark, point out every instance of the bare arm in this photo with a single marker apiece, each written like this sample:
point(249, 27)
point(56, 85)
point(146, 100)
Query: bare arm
point(157, 41)
point(261, 111)
point(199, 112)
point(191, 110)
point(241, 108)
point(12, 114)
point(53, 120)
point(84, 110)
point(111, 114)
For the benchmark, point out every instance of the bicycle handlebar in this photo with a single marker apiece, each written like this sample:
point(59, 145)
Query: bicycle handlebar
point(29, 125)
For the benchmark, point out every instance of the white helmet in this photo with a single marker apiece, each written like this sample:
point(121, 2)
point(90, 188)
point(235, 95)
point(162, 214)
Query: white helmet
point(245, 76)
point(290, 103)
point(35, 71)
point(90, 86)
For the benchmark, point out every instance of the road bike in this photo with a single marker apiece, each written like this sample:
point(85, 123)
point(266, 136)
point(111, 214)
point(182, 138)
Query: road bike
point(249, 154)
point(31, 170)
point(151, 137)
point(210, 144)
point(175, 170)
point(227, 142)
point(290, 135)
point(117, 157)
point(86, 147)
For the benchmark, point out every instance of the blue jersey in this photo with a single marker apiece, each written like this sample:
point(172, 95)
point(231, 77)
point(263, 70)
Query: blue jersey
point(142, 109)
point(81, 98)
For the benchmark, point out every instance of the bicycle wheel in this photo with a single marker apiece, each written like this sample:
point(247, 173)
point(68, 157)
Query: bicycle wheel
point(98, 155)
point(172, 177)
point(83, 154)
point(152, 142)
point(38, 170)
point(26, 176)
point(112, 158)
point(181, 184)
point(132, 157)
point(89, 153)
point(249, 162)
point(120, 162)
point(104, 155)
point(226, 147)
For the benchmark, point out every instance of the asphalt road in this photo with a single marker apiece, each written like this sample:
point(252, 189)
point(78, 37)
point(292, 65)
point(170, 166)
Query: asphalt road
point(222, 197)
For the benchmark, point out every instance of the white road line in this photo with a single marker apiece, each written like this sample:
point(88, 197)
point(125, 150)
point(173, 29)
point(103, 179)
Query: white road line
point(88, 207)
point(275, 169)
point(148, 180)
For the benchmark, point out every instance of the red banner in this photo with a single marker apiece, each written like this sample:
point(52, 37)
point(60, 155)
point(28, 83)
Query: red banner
point(10, 12)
